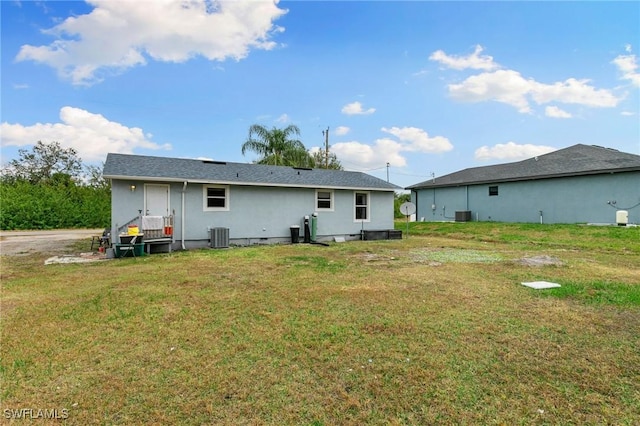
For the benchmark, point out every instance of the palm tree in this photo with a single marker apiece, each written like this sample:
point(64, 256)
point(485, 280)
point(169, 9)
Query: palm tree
point(276, 147)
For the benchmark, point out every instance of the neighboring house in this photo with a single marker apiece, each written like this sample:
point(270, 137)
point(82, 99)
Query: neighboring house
point(579, 184)
point(254, 203)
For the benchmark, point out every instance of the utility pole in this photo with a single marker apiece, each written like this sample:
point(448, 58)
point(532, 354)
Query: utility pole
point(326, 148)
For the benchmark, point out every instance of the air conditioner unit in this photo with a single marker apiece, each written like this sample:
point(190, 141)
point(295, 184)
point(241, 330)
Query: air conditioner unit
point(219, 237)
point(463, 216)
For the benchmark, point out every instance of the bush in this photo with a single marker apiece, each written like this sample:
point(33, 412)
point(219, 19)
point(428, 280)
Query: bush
point(55, 204)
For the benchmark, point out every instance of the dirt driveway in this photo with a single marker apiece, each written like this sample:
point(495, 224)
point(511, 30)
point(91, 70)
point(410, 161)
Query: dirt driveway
point(21, 243)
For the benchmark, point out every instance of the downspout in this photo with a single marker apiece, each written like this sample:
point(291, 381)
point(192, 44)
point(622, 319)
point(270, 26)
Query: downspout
point(415, 198)
point(433, 205)
point(184, 190)
point(466, 195)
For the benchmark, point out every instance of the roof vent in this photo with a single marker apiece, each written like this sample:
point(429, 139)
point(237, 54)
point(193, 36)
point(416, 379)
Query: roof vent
point(222, 163)
point(302, 168)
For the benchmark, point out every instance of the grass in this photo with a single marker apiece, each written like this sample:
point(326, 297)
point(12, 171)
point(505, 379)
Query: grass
point(431, 329)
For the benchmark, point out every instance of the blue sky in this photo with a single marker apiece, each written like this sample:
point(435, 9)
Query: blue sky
point(428, 87)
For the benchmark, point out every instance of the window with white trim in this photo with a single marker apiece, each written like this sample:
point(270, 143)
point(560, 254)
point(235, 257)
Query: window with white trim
point(215, 198)
point(362, 206)
point(324, 200)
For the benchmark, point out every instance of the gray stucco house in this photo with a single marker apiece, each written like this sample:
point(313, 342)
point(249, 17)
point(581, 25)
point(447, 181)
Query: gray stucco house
point(252, 203)
point(578, 184)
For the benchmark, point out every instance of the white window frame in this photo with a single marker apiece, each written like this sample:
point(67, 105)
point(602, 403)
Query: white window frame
point(331, 202)
point(205, 197)
point(367, 206)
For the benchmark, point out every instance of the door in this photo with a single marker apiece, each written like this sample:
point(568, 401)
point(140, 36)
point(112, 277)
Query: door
point(156, 200)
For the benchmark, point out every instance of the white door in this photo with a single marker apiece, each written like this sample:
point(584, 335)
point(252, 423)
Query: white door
point(156, 200)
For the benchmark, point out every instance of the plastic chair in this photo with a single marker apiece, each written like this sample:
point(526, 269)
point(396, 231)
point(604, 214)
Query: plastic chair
point(130, 247)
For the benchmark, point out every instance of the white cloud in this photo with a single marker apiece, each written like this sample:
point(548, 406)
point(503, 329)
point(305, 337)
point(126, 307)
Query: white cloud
point(117, 35)
point(511, 151)
point(628, 66)
point(366, 156)
point(284, 118)
point(91, 135)
point(355, 108)
point(504, 86)
point(627, 113)
point(474, 60)
point(387, 150)
point(573, 91)
point(509, 87)
point(555, 112)
point(418, 140)
point(342, 130)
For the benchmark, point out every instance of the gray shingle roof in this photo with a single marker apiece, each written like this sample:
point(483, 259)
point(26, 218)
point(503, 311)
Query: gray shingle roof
point(140, 167)
point(575, 160)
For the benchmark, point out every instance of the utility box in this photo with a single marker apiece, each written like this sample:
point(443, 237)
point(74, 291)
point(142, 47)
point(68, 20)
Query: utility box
point(622, 217)
point(219, 237)
point(463, 216)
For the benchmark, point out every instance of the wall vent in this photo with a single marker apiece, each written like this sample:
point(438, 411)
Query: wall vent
point(219, 237)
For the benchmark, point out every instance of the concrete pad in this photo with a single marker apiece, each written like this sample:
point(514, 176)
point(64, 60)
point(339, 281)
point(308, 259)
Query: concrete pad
point(541, 285)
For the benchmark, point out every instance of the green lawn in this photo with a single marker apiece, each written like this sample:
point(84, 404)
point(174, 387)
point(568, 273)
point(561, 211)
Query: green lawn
point(433, 329)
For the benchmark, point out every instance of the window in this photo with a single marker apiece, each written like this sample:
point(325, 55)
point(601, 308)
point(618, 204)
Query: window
point(362, 206)
point(493, 190)
point(216, 198)
point(324, 200)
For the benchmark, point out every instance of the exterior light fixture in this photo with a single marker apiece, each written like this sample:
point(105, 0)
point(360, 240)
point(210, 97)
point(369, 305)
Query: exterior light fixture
point(132, 188)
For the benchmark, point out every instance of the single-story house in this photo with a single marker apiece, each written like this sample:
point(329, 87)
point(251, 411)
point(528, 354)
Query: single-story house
point(578, 184)
point(200, 203)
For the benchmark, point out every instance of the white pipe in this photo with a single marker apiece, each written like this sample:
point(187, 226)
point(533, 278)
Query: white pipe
point(184, 190)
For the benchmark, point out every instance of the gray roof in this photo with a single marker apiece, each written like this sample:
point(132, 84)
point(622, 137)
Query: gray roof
point(147, 168)
point(576, 160)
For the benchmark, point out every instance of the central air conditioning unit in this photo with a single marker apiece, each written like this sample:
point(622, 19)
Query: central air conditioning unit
point(463, 216)
point(219, 237)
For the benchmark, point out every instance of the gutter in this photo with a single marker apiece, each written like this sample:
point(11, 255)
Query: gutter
point(522, 178)
point(184, 190)
point(249, 183)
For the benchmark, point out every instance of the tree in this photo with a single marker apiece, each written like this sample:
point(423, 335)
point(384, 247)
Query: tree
point(276, 147)
point(43, 162)
point(94, 178)
point(320, 161)
point(46, 188)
